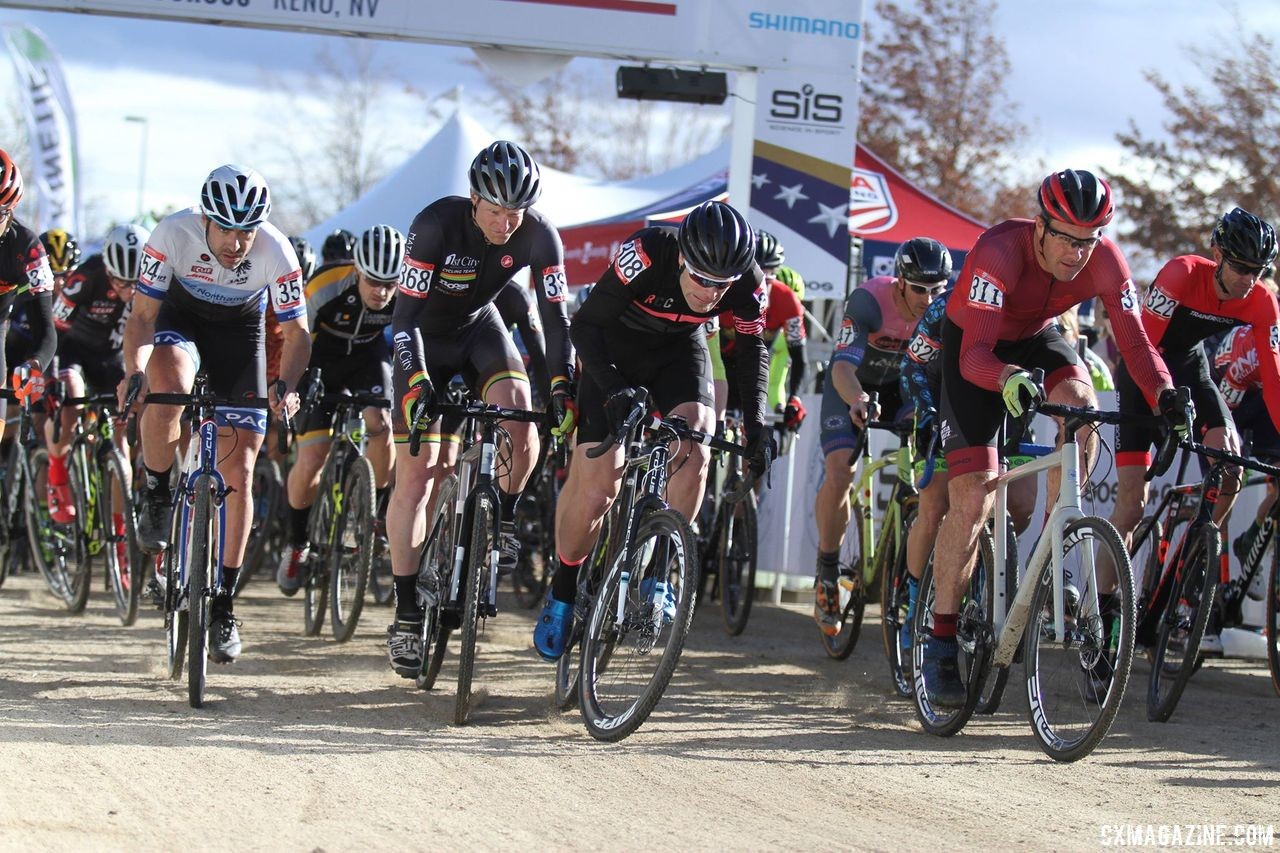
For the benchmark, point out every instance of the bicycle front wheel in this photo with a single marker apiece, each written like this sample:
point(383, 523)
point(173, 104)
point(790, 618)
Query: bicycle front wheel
point(895, 600)
point(1182, 627)
point(852, 586)
point(201, 574)
point(1273, 615)
point(1075, 682)
point(119, 536)
point(320, 525)
point(435, 571)
point(637, 627)
point(973, 656)
point(736, 562)
point(350, 552)
point(483, 550)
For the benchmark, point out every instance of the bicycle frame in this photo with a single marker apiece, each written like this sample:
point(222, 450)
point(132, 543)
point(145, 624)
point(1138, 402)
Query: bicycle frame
point(201, 459)
point(643, 486)
point(892, 536)
point(476, 480)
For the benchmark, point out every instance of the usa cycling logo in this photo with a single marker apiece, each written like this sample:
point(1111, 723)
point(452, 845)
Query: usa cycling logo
point(871, 205)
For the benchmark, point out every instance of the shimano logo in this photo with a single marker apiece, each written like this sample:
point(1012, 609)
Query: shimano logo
point(833, 27)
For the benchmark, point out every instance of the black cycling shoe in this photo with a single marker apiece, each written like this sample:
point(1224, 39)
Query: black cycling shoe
point(224, 637)
point(153, 523)
point(405, 647)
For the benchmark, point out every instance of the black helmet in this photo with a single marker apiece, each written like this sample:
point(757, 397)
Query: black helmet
point(504, 174)
point(1245, 238)
point(769, 253)
point(306, 255)
point(924, 260)
point(338, 246)
point(1076, 197)
point(717, 240)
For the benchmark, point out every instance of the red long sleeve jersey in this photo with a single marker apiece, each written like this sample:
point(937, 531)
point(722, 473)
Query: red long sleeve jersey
point(1002, 294)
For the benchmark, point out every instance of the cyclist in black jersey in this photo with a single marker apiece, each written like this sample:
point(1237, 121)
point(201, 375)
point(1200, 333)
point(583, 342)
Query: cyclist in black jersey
point(349, 307)
point(25, 276)
point(459, 253)
point(90, 313)
point(643, 325)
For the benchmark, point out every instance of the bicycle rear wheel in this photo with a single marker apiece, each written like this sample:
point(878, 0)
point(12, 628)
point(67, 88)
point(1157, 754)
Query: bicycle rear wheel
point(483, 549)
point(176, 618)
point(536, 525)
point(266, 525)
point(736, 562)
point(1182, 627)
point(1075, 682)
point(853, 590)
point(973, 628)
point(119, 537)
point(350, 554)
point(637, 627)
point(997, 678)
point(435, 571)
point(320, 525)
point(201, 577)
point(895, 599)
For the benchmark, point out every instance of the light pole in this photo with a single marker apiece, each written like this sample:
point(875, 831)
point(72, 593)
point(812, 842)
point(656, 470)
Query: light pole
point(142, 158)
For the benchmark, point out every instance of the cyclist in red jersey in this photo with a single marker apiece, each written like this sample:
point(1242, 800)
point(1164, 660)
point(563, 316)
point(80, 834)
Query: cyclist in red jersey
point(999, 326)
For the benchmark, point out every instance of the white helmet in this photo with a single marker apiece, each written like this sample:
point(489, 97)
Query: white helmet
point(380, 252)
point(122, 251)
point(236, 197)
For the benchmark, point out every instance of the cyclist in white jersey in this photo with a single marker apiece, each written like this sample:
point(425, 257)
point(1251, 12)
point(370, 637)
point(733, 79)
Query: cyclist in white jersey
point(206, 272)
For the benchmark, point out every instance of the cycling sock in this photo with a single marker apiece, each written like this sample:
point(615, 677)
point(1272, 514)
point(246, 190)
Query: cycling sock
point(158, 483)
point(57, 470)
point(298, 526)
point(407, 598)
point(564, 586)
point(508, 503)
point(944, 625)
point(229, 575)
point(828, 566)
point(220, 605)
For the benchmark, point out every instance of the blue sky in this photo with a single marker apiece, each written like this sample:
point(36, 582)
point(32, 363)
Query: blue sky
point(1077, 76)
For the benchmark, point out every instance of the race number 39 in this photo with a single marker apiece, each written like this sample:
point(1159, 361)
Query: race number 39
point(985, 294)
point(553, 283)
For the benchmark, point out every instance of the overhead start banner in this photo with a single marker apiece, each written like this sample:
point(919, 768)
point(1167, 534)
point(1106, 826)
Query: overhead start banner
point(724, 33)
point(51, 129)
point(801, 168)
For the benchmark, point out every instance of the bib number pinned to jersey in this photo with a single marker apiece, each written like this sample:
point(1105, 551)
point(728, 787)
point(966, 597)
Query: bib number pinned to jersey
point(1160, 303)
point(1128, 297)
point(1275, 338)
point(553, 283)
point(630, 261)
point(922, 349)
point(415, 278)
point(149, 267)
point(985, 293)
point(847, 333)
point(288, 291)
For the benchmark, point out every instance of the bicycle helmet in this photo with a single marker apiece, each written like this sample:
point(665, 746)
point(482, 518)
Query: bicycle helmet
point(236, 197)
point(717, 240)
point(923, 260)
point(380, 252)
point(1244, 238)
point(1076, 197)
point(504, 174)
point(306, 255)
point(10, 181)
point(62, 249)
point(338, 246)
point(122, 251)
point(769, 253)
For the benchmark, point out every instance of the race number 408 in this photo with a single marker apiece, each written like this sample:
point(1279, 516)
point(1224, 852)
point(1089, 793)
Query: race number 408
point(630, 261)
point(985, 294)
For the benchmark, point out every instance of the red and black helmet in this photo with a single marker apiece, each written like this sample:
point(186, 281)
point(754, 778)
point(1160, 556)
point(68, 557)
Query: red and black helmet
point(1076, 197)
point(10, 181)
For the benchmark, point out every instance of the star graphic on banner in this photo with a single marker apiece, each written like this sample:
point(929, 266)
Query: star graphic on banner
point(791, 195)
point(832, 216)
point(758, 181)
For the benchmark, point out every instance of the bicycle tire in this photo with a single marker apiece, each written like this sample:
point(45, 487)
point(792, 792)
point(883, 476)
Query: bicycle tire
point(1273, 615)
point(1104, 648)
point(608, 648)
point(126, 579)
point(736, 558)
point(997, 678)
point(36, 516)
point(1144, 558)
point(1186, 615)
point(853, 591)
point(72, 538)
point(894, 604)
point(437, 559)
point(265, 524)
point(480, 552)
point(536, 523)
point(350, 557)
point(201, 577)
point(590, 575)
point(974, 655)
point(175, 613)
point(320, 524)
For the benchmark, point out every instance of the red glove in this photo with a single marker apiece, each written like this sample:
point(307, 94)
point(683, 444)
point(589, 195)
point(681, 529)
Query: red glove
point(793, 414)
point(27, 384)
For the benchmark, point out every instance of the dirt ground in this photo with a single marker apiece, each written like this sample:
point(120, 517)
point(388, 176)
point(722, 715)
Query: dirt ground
point(761, 743)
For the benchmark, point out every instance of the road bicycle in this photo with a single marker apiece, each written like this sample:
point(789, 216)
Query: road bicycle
point(1076, 641)
point(458, 571)
point(192, 563)
point(631, 620)
point(1186, 584)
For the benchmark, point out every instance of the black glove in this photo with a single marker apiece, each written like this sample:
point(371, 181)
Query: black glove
point(762, 449)
point(618, 407)
point(1178, 410)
